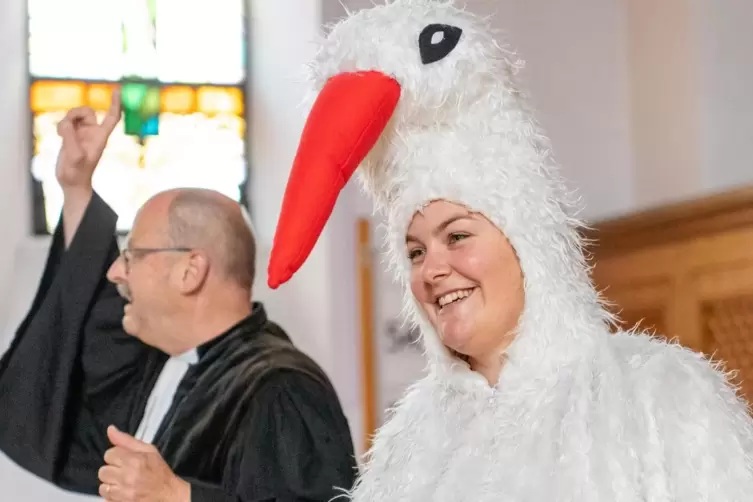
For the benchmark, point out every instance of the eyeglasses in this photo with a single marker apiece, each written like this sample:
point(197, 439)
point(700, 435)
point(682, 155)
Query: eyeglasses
point(129, 255)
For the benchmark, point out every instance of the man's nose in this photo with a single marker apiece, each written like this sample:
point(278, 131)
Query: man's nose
point(116, 273)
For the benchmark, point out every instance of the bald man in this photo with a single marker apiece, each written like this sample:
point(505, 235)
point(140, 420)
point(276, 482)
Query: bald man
point(148, 374)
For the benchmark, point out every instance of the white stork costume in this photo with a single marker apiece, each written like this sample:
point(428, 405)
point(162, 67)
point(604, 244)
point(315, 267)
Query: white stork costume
point(422, 98)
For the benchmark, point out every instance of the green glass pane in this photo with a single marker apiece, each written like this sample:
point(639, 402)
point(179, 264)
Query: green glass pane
point(151, 103)
point(133, 95)
point(134, 123)
point(141, 105)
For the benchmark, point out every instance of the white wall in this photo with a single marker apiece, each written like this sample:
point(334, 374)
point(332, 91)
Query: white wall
point(14, 134)
point(725, 41)
point(665, 120)
point(691, 72)
point(577, 74)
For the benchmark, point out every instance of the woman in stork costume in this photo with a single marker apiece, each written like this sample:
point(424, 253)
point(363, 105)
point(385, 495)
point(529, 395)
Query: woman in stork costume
point(528, 396)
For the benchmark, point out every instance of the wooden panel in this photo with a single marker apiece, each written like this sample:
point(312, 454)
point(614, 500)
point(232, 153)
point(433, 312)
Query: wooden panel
point(368, 357)
point(729, 327)
point(725, 279)
point(723, 212)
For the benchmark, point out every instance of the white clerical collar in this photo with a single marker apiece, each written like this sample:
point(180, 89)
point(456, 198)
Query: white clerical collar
point(161, 398)
point(190, 356)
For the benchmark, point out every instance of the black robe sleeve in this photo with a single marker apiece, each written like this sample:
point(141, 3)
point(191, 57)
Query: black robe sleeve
point(296, 447)
point(70, 359)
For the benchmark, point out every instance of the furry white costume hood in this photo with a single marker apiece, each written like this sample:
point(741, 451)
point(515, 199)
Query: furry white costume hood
point(421, 97)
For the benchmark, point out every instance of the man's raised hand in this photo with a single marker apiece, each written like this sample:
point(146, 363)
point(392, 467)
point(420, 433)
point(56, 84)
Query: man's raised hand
point(84, 141)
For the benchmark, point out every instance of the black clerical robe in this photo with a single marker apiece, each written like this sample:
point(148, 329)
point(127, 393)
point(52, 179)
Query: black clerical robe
point(253, 420)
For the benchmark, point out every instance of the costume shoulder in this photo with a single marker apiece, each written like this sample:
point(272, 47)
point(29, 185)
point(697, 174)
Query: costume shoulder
point(693, 416)
point(400, 450)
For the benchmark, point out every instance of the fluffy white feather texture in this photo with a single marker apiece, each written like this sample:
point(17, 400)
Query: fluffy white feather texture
point(578, 414)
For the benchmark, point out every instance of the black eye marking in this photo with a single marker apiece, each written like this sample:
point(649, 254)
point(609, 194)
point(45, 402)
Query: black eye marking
point(436, 41)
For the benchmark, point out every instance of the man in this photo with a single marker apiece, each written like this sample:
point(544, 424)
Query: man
point(178, 388)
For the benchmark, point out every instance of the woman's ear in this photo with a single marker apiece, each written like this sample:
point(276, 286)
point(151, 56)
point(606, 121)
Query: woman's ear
point(194, 272)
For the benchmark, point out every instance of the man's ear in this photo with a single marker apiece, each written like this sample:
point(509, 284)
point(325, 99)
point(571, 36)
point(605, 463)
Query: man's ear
point(194, 273)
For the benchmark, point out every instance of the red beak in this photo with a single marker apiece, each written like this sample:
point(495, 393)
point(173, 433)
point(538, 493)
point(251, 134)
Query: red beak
point(345, 122)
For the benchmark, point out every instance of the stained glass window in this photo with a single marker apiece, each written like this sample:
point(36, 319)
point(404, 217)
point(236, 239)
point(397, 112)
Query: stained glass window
point(181, 67)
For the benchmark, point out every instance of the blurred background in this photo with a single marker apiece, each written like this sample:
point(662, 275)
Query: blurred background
point(648, 105)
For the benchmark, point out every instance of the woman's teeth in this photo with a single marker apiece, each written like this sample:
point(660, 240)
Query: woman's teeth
point(453, 297)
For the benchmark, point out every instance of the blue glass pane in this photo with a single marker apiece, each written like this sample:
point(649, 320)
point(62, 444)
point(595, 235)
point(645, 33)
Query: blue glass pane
point(151, 126)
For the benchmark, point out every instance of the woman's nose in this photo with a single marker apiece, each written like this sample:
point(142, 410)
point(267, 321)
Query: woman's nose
point(436, 266)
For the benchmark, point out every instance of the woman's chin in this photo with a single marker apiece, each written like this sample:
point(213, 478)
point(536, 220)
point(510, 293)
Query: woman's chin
point(456, 340)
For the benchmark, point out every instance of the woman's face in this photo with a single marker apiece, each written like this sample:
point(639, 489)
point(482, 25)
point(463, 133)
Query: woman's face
point(467, 278)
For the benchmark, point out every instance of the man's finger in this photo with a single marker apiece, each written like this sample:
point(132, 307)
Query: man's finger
point(66, 130)
point(110, 475)
point(112, 117)
point(117, 456)
point(70, 142)
point(82, 115)
point(112, 493)
point(118, 438)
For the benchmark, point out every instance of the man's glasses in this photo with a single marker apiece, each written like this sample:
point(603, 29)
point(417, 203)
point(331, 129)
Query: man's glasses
point(131, 254)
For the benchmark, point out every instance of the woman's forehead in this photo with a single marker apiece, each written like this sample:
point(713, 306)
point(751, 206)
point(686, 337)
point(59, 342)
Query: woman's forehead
point(434, 218)
point(437, 209)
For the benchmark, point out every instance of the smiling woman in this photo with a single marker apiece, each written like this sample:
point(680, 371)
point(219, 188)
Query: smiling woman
point(467, 279)
point(484, 238)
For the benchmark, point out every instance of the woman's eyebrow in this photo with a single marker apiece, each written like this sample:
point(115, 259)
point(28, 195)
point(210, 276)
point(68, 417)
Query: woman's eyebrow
point(441, 227)
point(449, 221)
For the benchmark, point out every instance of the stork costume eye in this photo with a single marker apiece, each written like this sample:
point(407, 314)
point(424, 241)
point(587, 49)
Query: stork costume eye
point(577, 413)
point(437, 41)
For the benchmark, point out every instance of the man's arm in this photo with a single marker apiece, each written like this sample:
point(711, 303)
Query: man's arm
point(108, 357)
point(84, 142)
point(75, 202)
point(296, 446)
point(108, 385)
point(106, 350)
point(70, 360)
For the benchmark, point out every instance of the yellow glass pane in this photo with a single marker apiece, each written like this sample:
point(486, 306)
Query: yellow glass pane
point(220, 100)
point(241, 128)
point(181, 100)
point(191, 150)
point(100, 96)
point(235, 124)
point(49, 96)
